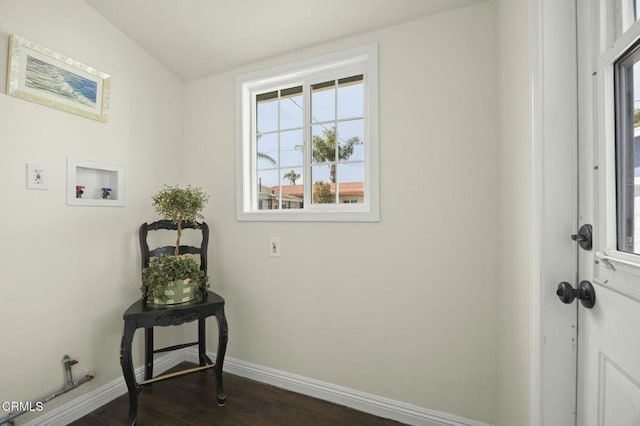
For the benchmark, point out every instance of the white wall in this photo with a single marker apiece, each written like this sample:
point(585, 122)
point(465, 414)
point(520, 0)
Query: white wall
point(515, 213)
point(406, 308)
point(430, 306)
point(68, 273)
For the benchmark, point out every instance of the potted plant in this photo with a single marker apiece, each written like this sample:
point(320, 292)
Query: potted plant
point(171, 279)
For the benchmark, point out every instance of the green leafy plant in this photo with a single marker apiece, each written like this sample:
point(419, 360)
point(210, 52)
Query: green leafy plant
point(165, 270)
point(179, 205)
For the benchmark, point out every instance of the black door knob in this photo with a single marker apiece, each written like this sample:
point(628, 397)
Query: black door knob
point(585, 293)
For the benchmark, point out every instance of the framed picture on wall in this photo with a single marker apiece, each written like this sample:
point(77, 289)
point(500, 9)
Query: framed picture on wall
point(41, 75)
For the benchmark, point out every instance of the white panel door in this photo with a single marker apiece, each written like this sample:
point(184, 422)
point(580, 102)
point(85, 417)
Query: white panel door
point(609, 168)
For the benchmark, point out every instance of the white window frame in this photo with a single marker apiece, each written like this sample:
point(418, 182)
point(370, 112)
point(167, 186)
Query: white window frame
point(618, 31)
point(345, 63)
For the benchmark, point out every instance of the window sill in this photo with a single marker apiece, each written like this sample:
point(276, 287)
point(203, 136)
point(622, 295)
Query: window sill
point(308, 216)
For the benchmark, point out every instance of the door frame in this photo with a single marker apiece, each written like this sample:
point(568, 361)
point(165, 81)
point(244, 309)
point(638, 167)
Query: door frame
point(554, 141)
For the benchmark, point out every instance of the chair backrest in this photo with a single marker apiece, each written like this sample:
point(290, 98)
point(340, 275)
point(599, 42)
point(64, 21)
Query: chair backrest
point(147, 254)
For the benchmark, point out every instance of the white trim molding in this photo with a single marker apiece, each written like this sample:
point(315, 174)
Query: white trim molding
point(554, 132)
point(537, 155)
point(361, 401)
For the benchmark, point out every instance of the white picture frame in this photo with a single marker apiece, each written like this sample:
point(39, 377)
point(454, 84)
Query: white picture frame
point(41, 75)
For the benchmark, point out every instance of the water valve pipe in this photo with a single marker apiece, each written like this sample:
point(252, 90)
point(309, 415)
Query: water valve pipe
point(69, 384)
point(67, 363)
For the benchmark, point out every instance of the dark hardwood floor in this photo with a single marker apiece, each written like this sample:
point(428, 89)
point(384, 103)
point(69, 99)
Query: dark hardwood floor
point(191, 400)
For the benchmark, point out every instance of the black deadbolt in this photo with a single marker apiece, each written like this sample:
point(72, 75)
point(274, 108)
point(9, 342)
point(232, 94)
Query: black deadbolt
point(585, 293)
point(584, 237)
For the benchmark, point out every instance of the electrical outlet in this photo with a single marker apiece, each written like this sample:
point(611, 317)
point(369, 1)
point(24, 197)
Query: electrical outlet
point(274, 246)
point(37, 177)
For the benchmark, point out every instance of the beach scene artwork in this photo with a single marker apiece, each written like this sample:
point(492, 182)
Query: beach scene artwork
point(44, 76)
point(38, 74)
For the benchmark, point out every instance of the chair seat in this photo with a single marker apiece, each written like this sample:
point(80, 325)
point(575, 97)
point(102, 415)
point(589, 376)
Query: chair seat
point(148, 315)
point(141, 315)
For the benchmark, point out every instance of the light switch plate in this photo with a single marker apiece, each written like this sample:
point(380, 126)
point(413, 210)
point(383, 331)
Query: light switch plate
point(37, 177)
point(274, 246)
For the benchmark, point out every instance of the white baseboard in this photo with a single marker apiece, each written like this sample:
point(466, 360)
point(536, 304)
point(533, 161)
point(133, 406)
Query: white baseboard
point(362, 401)
point(84, 404)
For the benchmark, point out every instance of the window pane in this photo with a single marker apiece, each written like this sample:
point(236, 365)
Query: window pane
point(267, 180)
point(291, 148)
point(351, 97)
point(323, 143)
point(323, 190)
point(351, 140)
point(350, 179)
point(291, 108)
point(291, 158)
point(267, 159)
point(268, 142)
point(294, 177)
point(291, 140)
point(323, 102)
point(267, 151)
point(627, 75)
point(293, 189)
point(350, 173)
point(267, 114)
point(279, 149)
point(268, 190)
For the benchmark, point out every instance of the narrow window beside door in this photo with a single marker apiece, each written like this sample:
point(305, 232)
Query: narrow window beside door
point(627, 90)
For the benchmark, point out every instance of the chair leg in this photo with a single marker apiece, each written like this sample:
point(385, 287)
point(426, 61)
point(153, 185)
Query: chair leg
point(223, 336)
point(127, 370)
point(148, 353)
point(202, 342)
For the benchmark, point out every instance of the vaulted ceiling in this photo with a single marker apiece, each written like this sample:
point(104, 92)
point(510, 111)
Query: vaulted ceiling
point(198, 38)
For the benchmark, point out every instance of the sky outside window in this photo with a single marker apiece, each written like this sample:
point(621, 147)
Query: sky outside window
point(337, 119)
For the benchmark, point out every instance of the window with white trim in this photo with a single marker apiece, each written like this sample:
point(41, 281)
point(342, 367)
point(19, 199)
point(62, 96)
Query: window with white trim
point(308, 140)
point(627, 150)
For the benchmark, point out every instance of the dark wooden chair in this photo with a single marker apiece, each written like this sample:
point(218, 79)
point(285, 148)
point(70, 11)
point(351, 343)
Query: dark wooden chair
point(144, 315)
